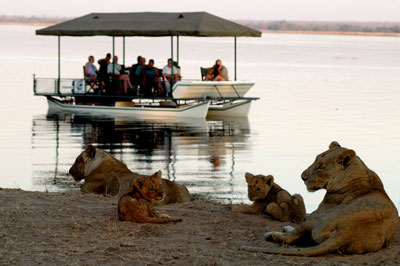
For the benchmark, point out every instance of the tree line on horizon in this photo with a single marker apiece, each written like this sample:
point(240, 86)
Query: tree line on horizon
point(280, 25)
point(31, 19)
point(325, 26)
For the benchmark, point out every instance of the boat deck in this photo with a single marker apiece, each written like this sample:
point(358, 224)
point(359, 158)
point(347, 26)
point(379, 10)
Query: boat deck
point(219, 98)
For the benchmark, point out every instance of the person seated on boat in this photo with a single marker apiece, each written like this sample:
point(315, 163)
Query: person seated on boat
point(92, 75)
point(91, 71)
point(103, 75)
point(167, 74)
point(218, 72)
point(138, 75)
point(103, 63)
point(114, 70)
point(178, 71)
point(133, 69)
point(151, 77)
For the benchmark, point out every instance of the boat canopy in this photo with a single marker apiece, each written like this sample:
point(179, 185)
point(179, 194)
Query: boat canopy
point(150, 24)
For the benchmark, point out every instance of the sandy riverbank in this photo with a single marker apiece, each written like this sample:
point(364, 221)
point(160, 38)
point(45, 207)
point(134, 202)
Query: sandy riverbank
point(83, 229)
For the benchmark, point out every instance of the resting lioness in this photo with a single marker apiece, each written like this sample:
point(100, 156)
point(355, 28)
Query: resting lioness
point(135, 205)
point(355, 216)
point(104, 174)
point(268, 197)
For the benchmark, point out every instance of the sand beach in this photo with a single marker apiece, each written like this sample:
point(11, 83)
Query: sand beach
point(83, 229)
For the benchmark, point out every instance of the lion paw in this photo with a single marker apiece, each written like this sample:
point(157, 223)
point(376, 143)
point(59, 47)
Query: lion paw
point(272, 235)
point(287, 229)
point(164, 216)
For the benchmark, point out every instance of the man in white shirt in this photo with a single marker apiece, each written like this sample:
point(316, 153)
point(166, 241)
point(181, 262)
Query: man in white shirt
point(114, 69)
point(166, 73)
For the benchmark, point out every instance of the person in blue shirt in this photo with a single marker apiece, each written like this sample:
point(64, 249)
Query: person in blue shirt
point(151, 76)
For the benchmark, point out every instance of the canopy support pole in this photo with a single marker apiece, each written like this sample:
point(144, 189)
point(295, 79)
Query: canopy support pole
point(112, 59)
point(177, 50)
point(59, 64)
point(172, 63)
point(235, 54)
point(123, 49)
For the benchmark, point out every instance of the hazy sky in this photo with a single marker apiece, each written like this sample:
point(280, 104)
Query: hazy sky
point(344, 10)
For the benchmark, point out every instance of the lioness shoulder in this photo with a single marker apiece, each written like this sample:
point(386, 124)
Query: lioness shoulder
point(268, 197)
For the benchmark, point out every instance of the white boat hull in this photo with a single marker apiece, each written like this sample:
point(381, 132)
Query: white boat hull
point(198, 110)
point(235, 109)
point(211, 89)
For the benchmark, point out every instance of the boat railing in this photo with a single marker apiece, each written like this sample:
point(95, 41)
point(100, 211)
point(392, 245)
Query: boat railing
point(53, 85)
point(70, 87)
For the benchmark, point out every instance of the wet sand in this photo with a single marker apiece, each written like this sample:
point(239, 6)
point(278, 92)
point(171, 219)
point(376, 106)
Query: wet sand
point(83, 229)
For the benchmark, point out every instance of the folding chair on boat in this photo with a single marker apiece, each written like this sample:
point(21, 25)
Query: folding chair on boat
point(92, 86)
point(204, 72)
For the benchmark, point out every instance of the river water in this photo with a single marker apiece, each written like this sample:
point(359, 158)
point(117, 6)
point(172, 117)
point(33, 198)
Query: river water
point(313, 89)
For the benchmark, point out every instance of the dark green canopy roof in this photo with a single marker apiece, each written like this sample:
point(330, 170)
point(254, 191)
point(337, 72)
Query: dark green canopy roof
point(151, 24)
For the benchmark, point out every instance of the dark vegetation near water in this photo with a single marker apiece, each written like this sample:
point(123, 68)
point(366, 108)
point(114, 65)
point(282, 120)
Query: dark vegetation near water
point(31, 19)
point(325, 26)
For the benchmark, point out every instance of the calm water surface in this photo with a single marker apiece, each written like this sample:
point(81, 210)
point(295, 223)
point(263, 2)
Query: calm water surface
point(313, 89)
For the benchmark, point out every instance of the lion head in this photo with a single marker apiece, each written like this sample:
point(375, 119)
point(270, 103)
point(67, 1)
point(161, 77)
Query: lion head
point(77, 170)
point(258, 186)
point(150, 186)
point(328, 167)
point(89, 160)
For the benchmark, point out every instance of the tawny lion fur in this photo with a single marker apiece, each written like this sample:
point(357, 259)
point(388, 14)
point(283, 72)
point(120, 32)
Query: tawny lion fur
point(355, 216)
point(268, 197)
point(104, 174)
point(135, 205)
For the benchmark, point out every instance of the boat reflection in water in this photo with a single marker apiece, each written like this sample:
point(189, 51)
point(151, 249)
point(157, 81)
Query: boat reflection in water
point(200, 154)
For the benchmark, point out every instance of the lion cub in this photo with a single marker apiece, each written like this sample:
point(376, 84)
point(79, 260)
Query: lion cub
point(270, 198)
point(135, 205)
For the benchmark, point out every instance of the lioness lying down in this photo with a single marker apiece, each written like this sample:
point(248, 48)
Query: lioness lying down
point(135, 205)
point(268, 197)
point(104, 174)
point(355, 216)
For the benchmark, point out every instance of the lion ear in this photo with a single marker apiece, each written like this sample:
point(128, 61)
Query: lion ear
point(139, 182)
point(334, 144)
point(249, 177)
point(157, 175)
point(269, 180)
point(90, 151)
point(346, 158)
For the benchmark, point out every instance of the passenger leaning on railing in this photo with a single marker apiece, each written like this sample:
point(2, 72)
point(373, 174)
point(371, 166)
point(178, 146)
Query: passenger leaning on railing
point(114, 70)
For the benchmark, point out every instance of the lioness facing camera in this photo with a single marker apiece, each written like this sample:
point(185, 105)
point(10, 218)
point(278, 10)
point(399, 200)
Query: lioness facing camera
point(355, 216)
point(104, 174)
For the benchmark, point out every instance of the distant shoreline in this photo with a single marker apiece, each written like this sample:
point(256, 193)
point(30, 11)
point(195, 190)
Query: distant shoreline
point(27, 23)
point(385, 34)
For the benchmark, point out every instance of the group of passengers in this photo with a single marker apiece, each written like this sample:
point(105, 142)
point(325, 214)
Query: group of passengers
point(141, 79)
